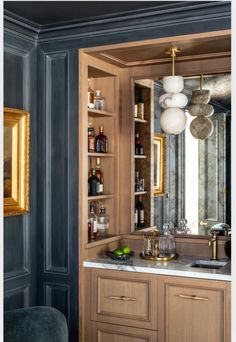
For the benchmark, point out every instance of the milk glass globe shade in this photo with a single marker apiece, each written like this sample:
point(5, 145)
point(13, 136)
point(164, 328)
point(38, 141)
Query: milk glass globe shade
point(173, 84)
point(173, 120)
point(170, 100)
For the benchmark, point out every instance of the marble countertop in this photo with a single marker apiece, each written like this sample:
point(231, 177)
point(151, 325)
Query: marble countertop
point(179, 267)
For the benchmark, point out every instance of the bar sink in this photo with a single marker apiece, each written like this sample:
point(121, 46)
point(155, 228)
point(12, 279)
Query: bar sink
point(211, 264)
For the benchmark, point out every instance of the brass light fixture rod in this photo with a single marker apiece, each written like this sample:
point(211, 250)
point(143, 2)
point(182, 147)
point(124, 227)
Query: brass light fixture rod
point(172, 52)
point(201, 82)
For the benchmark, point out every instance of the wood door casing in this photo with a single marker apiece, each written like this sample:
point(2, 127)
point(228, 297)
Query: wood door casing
point(108, 290)
point(102, 332)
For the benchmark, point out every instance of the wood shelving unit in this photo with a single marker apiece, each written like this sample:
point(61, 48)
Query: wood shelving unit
point(102, 77)
point(142, 163)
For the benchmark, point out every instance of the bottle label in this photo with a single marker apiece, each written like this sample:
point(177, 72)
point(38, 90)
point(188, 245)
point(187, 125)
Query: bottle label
point(91, 144)
point(140, 110)
point(95, 226)
point(100, 188)
point(141, 216)
point(102, 226)
point(136, 217)
point(141, 150)
point(135, 110)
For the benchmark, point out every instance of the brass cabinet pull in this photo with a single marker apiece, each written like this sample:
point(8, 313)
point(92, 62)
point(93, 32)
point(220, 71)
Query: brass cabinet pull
point(203, 224)
point(127, 299)
point(193, 297)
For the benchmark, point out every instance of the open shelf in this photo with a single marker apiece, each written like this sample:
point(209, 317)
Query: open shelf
point(140, 193)
point(101, 240)
point(140, 156)
point(99, 113)
point(140, 120)
point(101, 155)
point(99, 197)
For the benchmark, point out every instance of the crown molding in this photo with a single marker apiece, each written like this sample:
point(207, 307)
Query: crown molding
point(153, 18)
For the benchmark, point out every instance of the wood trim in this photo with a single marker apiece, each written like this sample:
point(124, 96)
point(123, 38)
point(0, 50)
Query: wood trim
point(147, 319)
point(155, 41)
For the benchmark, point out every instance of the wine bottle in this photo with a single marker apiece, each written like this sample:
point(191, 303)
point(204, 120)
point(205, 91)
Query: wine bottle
point(91, 138)
point(103, 221)
point(93, 184)
point(92, 222)
point(99, 175)
point(101, 141)
point(138, 146)
point(140, 106)
point(90, 96)
point(137, 181)
point(140, 212)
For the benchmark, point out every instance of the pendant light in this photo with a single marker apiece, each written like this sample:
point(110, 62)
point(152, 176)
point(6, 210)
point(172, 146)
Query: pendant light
point(201, 127)
point(173, 119)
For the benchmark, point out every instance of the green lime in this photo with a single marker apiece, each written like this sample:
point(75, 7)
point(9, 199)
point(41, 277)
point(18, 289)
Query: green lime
point(118, 251)
point(126, 250)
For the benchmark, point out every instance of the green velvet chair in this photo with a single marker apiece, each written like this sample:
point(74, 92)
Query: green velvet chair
point(35, 324)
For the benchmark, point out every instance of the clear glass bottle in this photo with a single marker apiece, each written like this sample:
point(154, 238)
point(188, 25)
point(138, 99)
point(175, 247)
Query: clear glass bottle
point(100, 176)
point(92, 222)
point(103, 222)
point(101, 142)
point(91, 138)
point(93, 184)
point(90, 96)
point(99, 100)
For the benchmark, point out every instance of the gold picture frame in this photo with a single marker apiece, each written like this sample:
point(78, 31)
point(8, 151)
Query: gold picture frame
point(16, 161)
point(159, 147)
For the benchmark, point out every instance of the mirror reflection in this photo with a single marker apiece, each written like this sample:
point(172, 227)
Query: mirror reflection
point(197, 171)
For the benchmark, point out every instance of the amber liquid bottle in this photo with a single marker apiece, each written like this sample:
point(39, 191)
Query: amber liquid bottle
point(101, 141)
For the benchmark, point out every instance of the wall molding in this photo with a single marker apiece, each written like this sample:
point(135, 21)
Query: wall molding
point(156, 17)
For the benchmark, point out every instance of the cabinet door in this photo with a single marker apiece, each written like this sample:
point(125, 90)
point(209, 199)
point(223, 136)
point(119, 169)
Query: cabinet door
point(194, 310)
point(124, 298)
point(113, 333)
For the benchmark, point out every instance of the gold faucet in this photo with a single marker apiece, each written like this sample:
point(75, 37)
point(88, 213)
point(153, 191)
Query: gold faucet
point(213, 244)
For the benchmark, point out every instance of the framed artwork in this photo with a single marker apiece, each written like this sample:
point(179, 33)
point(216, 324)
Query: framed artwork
point(159, 144)
point(16, 161)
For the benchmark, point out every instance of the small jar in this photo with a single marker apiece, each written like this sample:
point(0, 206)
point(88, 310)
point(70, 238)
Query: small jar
point(99, 100)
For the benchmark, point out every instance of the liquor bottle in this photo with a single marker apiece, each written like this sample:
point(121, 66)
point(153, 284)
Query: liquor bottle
point(91, 138)
point(92, 222)
point(103, 222)
point(138, 146)
point(93, 184)
point(137, 181)
point(99, 100)
point(101, 142)
point(99, 175)
point(90, 96)
point(140, 106)
point(140, 212)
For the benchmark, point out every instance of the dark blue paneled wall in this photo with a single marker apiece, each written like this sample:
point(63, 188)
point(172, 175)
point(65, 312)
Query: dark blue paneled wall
point(41, 248)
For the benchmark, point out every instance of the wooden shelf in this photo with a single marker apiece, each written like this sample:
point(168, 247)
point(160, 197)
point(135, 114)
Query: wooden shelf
point(99, 197)
point(140, 120)
point(102, 155)
point(140, 193)
point(99, 113)
point(100, 241)
point(140, 156)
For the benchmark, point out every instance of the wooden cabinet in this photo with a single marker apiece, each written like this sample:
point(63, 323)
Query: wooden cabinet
point(137, 307)
point(193, 310)
point(124, 298)
point(110, 333)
